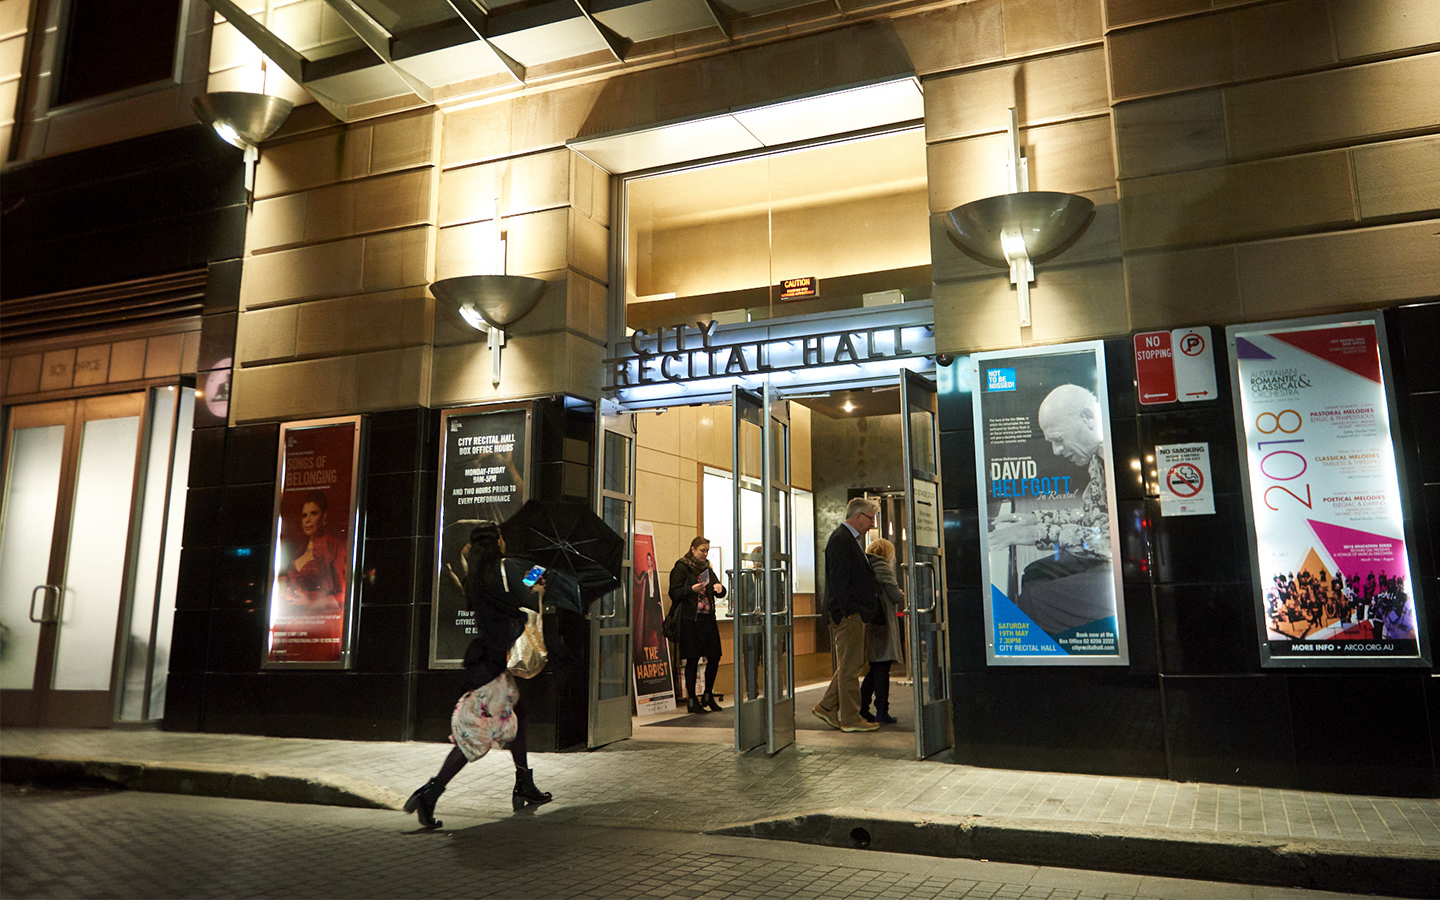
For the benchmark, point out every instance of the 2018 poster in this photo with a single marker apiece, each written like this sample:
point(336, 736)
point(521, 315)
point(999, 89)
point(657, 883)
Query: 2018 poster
point(1048, 533)
point(484, 463)
point(1333, 584)
point(654, 686)
point(314, 547)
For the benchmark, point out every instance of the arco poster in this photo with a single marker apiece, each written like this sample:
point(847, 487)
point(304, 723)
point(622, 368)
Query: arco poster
point(1329, 550)
point(1048, 533)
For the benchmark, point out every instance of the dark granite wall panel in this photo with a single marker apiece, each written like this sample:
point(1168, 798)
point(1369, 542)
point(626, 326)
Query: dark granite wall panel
point(1230, 729)
point(1380, 744)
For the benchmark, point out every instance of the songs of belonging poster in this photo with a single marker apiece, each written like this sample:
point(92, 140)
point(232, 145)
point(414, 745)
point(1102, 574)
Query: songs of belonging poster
point(314, 545)
point(1333, 579)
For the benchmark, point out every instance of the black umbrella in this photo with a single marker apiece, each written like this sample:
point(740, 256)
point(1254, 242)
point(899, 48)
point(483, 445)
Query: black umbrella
point(568, 537)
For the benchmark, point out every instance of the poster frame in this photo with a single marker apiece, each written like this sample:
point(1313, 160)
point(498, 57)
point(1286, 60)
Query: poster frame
point(1097, 350)
point(1267, 659)
point(358, 451)
point(437, 546)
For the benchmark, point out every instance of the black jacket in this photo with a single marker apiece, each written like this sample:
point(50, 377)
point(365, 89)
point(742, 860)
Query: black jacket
point(850, 583)
point(682, 580)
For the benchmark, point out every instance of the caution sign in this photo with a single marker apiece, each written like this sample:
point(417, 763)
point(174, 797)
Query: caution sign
point(1184, 475)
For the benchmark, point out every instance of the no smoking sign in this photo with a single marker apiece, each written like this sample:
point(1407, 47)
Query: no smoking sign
point(1185, 480)
point(1185, 489)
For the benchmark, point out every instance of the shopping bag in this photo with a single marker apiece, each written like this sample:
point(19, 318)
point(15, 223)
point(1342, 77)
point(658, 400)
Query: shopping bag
point(527, 655)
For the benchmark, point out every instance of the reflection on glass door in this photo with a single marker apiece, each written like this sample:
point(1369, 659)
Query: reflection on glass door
point(746, 574)
point(610, 695)
point(925, 568)
point(89, 543)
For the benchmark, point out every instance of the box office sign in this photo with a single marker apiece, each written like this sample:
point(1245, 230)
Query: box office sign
point(484, 470)
point(317, 501)
point(1049, 538)
point(1333, 584)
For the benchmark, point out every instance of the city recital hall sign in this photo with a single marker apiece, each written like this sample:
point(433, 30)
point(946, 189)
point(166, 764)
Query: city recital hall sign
point(699, 362)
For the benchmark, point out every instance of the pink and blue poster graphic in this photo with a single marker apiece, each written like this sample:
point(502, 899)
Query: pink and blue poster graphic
point(1333, 579)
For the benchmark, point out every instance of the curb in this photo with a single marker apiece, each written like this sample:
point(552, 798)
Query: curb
point(1345, 866)
point(231, 782)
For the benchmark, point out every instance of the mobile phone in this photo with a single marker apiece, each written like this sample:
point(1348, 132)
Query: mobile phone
point(532, 576)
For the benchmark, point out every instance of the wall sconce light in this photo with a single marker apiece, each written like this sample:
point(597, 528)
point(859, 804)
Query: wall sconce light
point(243, 120)
point(1015, 228)
point(496, 301)
point(490, 303)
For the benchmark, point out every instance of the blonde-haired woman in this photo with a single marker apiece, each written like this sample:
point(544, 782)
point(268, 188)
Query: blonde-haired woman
point(882, 640)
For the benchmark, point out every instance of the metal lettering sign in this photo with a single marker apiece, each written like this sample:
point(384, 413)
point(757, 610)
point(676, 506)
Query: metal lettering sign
point(700, 362)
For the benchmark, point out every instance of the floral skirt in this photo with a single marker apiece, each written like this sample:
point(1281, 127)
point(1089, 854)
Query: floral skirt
point(484, 719)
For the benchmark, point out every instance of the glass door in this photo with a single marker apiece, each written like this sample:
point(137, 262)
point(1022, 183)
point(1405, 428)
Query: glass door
point(925, 567)
point(746, 574)
point(611, 700)
point(77, 539)
point(778, 565)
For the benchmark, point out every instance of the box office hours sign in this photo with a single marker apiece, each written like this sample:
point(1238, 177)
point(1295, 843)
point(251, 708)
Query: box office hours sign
point(1333, 584)
point(484, 471)
point(1048, 531)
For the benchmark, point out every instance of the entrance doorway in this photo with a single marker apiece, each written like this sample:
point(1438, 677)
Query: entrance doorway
point(793, 464)
point(93, 508)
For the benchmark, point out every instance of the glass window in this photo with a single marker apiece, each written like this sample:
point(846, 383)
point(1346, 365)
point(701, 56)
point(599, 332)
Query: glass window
point(721, 241)
point(111, 45)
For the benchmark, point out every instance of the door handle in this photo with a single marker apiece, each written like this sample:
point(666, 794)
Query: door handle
point(935, 594)
point(49, 613)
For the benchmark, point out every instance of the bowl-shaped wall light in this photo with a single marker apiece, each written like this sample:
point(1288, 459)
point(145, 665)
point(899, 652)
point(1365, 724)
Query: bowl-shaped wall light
point(498, 301)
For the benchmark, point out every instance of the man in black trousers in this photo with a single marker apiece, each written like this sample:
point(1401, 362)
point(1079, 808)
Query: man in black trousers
point(852, 598)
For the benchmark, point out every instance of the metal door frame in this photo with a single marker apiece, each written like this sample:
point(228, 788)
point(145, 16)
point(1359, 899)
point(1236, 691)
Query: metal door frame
point(751, 714)
point(779, 575)
point(934, 719)
point(609, 719)
point(42, 704)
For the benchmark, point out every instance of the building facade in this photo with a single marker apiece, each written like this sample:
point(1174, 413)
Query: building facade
point(1248, 163)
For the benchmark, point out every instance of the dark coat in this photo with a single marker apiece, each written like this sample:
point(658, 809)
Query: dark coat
point(499, 620)
point(850, 584)
point(682, 591)
point(699, 635)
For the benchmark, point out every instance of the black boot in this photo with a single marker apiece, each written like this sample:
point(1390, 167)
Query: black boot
point(882, 715)
point(525, 790)
point(708, 701)
point(695, 706)
point(422, 803)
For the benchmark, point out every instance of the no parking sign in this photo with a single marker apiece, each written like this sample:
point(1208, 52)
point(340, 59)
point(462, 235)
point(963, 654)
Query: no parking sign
point(1184, 471)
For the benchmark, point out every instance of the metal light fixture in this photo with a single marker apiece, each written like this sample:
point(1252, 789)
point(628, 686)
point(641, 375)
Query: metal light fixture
point(1012, 229)
point(497, 301)
point(244, 120)
point(490, 303)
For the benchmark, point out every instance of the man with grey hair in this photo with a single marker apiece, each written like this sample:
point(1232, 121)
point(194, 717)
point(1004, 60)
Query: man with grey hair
point(852, 598)
point(1073, 585)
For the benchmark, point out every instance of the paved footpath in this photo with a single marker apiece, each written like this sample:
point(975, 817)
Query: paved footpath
point(818, 793)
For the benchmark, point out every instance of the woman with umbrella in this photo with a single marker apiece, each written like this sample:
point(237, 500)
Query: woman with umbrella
point(491, 713)
point(694, 585)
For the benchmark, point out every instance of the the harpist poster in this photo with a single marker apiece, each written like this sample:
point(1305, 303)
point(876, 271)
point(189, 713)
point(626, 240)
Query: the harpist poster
point(484, 464)
point(1333, 580)
point(316, 514)
point(1048, 533)
point(654, 686)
